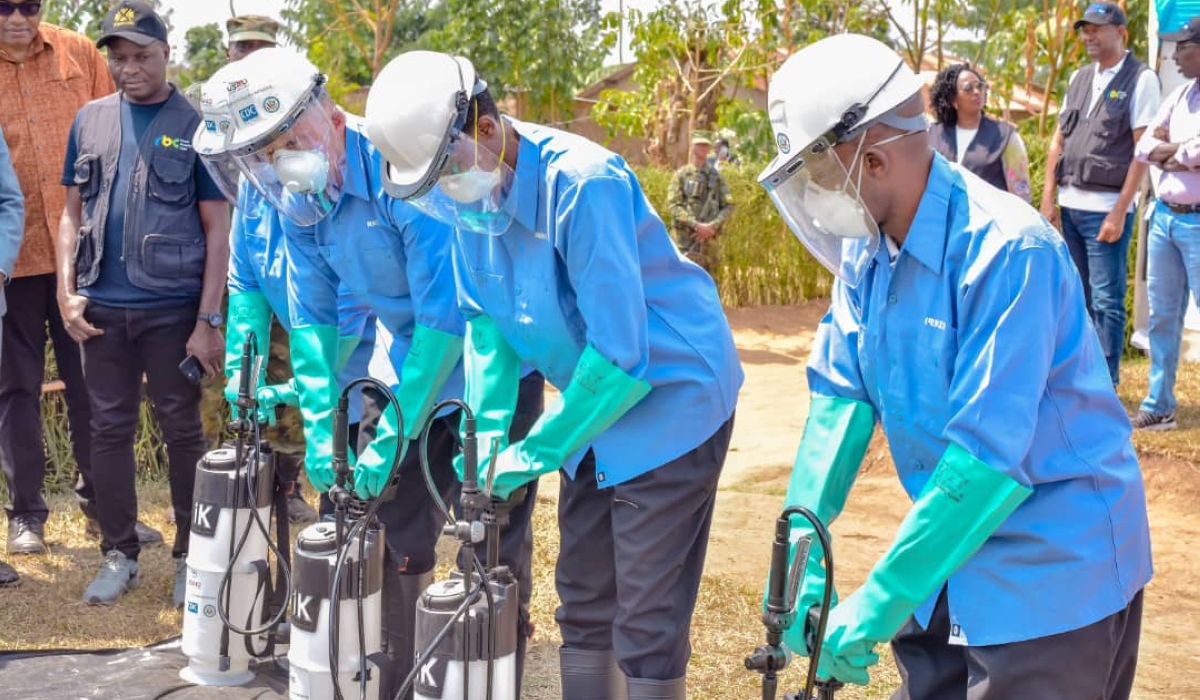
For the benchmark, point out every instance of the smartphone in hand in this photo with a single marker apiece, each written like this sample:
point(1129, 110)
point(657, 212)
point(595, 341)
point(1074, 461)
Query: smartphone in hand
point(192, 369)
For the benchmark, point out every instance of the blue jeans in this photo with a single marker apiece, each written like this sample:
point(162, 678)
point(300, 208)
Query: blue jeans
point(1172, 269)
point(1104, 268)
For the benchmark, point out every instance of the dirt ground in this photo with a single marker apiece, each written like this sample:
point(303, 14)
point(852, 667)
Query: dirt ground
point(774, 344)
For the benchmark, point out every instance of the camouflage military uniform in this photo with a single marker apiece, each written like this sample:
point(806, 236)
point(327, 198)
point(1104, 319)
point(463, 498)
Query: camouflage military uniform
point(698, 196)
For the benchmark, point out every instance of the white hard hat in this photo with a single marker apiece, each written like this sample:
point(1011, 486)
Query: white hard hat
point(267, 91)
point(416, 103)
point(840, 84)
point(214, 110)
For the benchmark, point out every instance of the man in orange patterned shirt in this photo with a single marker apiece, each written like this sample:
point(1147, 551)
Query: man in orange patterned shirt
point(46, 74)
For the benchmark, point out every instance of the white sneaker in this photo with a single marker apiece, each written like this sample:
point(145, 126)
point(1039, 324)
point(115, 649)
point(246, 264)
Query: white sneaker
point(118, 574)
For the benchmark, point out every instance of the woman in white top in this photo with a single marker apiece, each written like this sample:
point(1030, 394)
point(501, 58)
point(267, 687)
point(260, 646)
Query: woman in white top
point(990, 148)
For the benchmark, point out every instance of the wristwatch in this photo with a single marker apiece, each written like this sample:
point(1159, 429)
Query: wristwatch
point(214, 319)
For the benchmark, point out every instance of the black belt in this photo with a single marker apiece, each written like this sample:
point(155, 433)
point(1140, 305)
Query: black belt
point(1182, 208)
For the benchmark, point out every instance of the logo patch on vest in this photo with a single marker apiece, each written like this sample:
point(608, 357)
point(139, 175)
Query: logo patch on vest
point(173, 142)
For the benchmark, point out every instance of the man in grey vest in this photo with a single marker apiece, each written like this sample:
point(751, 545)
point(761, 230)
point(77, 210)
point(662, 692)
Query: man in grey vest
point(1108, 105)
point(12, 232)
point(143, 247)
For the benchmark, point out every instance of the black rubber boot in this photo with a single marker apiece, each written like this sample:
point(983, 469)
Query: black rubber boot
point(589, 674)
point(400, 595)
point(648, 689)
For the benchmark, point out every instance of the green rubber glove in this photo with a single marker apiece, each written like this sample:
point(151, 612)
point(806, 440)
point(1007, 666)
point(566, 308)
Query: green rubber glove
point(248, 312)
point(961, 506)
point(314, 355)
point(493, 378)
point(429, 362)
point(268, 397)
point(599, 393)
point(346, 347)
point(836, 436)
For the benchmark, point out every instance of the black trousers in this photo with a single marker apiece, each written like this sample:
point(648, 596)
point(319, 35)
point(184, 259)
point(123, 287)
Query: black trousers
point(137, 341)
point(631, 556)
point(32, 310)
point(1096, 662)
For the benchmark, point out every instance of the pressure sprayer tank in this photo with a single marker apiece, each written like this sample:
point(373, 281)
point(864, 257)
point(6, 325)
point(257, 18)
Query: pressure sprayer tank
point(441, 673)
point(221, 517)
point(313, 565)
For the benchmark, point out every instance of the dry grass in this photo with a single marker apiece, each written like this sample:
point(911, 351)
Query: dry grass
point(1183, 443)
point(45, 611)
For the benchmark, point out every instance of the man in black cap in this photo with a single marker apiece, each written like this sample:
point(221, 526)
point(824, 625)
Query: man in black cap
point(1109, 104)
point(142, 254)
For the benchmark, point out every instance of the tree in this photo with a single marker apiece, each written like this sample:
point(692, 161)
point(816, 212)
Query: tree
point(351, 40)
point(537, 52)
point(205, 53)
point(693, 56)
point(87, 16)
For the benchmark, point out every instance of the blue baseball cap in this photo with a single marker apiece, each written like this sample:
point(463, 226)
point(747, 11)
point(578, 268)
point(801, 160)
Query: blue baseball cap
point(1103, 13)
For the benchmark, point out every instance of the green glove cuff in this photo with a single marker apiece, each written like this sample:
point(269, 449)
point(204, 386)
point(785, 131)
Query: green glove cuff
point(836, 436)
point(962, 505)
point(346, 347)
point(493, 378)
point(314, 354)
point(835, 440)
point(248, 312)
point(599, 393)
point(430, 361)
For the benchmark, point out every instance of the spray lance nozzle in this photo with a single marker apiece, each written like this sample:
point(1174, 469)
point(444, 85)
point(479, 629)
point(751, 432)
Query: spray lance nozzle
point(779, 612)
point(246, 403)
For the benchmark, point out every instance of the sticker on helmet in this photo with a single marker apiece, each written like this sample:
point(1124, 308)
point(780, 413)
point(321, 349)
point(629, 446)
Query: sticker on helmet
point(248, 113)
point(271, 104)
point(783, 142)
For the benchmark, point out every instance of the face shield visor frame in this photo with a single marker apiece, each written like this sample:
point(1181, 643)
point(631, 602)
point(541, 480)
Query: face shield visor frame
point(819, 196)
point(297, 166)
point(211, 140)
point(820, 203)
point(475, 189)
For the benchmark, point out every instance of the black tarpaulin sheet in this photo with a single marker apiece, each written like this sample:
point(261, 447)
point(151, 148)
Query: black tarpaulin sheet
point(145, 673)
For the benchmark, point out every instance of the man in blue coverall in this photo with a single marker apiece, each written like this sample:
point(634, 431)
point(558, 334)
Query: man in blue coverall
point(258, 291)
point(959, 323)
point(313, 164)
point(562, 264)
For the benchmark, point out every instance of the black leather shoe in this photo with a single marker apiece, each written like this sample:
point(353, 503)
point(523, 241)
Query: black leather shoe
point(8, 575)
point(26, 535)
point(147, 536)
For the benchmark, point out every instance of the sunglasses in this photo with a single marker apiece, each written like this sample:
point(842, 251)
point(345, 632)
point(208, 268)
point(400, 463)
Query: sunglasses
point(28, 9)
point(972, 87)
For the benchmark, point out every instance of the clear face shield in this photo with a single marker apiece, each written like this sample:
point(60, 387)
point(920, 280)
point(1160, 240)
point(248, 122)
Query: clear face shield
point(210, 140)
point(476, 189)
point(466, 185)
point(298, 166)
point(820, 200)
